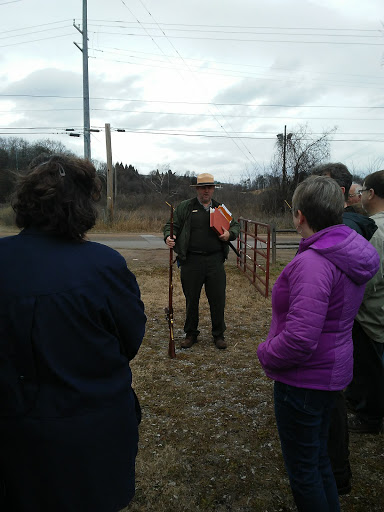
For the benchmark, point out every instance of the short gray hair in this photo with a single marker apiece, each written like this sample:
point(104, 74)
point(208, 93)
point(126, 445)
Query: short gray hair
point(320, 199)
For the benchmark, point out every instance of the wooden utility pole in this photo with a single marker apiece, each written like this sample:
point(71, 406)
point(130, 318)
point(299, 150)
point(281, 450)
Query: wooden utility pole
point(283, 138)
point(109, 173)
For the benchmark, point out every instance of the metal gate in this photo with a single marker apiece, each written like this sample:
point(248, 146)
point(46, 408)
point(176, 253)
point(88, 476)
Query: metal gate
point(254, 245)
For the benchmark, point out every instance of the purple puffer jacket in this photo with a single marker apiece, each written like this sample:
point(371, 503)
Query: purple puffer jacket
point(314, 302)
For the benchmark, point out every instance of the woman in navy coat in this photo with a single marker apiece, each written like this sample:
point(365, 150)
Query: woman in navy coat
point(71, 319)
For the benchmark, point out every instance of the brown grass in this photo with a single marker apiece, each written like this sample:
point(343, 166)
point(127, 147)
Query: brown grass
point(132, 221)
point(149, 218)
point(208, 439)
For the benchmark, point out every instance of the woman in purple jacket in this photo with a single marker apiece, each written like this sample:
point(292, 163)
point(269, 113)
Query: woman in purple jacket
point(309, 350)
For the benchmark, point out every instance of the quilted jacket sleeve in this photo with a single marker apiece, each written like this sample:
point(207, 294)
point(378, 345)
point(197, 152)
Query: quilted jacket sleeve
point(234, 230)
point(309, 285)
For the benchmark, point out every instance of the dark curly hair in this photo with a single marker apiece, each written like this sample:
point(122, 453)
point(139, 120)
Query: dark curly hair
point(58, 195)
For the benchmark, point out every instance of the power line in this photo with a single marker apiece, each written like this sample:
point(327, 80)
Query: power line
point(237, 116)
point(35, 40)
point(221, 126)
point(28, 133)
point(242, 31)
point(250, 138)
point(157, 55)
point(245, 26)
point(193, 74)
point(34, 26)
point(150, 132)
point(30, 33)
point(193, 114)
point(239, 74)
point(226, 39)
point(134, 100)
point(167, 130)
point(40, 127)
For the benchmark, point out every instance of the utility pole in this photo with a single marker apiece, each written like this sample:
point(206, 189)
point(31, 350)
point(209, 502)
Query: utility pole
point(109, 173)
point(84, 50)
point(115, 184)
point(282, 138)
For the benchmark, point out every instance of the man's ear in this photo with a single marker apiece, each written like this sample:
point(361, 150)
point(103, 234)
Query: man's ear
point(343, 190)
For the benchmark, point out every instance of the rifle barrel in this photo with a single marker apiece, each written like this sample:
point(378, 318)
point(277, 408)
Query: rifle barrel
point(171, 345)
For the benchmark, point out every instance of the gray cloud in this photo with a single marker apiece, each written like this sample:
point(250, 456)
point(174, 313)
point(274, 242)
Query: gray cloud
point(242, 61)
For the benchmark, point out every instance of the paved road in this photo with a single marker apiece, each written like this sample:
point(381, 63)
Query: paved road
point(154, 241)
point(120, 240)
point(137, 241)
point(130, 241)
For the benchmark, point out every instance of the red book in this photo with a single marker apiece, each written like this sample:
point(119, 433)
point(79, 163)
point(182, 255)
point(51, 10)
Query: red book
point(218, 220)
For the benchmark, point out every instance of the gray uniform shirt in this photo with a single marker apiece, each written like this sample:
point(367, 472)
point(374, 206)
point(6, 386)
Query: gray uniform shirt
point(371, 312)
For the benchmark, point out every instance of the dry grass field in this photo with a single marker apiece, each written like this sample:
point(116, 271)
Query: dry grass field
point(208, 440)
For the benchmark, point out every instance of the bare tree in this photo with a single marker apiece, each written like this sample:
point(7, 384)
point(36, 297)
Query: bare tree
point(298, 152)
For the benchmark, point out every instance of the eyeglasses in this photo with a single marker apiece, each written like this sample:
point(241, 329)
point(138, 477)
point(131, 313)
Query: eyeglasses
point(362, 190)
point(354, 195)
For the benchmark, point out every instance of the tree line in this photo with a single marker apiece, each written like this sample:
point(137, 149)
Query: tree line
point(265, 190)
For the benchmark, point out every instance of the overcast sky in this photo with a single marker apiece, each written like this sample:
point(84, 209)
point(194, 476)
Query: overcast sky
point(198, 85)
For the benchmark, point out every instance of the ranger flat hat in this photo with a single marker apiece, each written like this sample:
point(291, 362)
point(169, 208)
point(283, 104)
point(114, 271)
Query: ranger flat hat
point(204, 179)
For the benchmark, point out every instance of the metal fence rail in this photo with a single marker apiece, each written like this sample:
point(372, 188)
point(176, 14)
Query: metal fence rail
point(282, 245)
point(254, 246)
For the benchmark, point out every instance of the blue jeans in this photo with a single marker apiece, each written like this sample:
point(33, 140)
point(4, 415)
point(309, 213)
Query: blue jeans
point(303, 417)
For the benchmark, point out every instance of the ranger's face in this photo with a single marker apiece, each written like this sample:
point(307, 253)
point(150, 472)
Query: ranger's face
point(205, 193)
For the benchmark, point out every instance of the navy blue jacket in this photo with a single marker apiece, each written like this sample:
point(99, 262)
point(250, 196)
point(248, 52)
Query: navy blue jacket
point(71, 318)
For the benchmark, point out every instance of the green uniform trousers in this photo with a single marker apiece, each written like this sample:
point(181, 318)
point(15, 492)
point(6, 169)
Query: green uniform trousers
point(207, 270)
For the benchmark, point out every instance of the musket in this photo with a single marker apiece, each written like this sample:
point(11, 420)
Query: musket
point(234, 249)
point(169, 309)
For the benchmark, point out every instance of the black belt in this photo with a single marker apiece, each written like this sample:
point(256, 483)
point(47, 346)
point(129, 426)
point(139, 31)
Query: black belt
point(204, 253)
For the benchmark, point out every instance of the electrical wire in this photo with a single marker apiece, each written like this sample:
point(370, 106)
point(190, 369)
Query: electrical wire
point(257, 76)
point(193, 114)
point(159, 27)
point(35, 40)
point(226, 39)
point(30, 33)
point(165, 130)
point(242, 26)
point(177, 52)
point(35, 26)
point(154, 132)
point(157, 56)
point(134, 100)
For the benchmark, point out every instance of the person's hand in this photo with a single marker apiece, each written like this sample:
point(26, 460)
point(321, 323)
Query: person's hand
point(170, 241)
point(225, 236)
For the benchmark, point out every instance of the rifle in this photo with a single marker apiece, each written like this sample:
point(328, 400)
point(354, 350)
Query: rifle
point(169, 309)
point(234, 249)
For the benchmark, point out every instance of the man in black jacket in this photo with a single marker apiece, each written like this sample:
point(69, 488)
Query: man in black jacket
point(201, 254)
